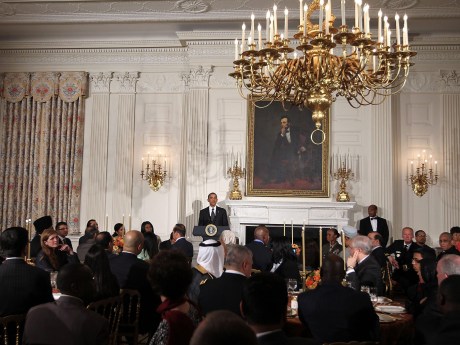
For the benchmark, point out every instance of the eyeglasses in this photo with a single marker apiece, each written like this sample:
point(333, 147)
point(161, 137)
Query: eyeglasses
point(416, 260)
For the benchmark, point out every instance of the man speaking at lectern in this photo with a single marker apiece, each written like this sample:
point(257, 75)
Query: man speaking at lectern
point(213, 214)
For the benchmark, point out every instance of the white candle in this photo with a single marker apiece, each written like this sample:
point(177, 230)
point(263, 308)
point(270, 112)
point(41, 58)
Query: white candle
point(398, 38)
point(373, 61)
point(305, 10)
point(360, 15)
point(405, 32)
point(385, 30)
point(249, 42)
point(342, 10)
point(271, 29)
point(380, 26)
point(259, 30)
point(243, 36)
point(436, 167)
point(327, 18)
point(366, 14)
point(252, 25)
point(300, 12)
point(284, 228)
point(356, 13)
point(321, 5)
point(275, 24)
point(389, 36)
point(267, 28)
point(236, 58)
point(286, 12)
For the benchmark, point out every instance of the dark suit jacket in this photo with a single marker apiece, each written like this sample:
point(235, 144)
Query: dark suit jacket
point(22, 287)
point(278, 337)
point(451, 250)
point(131, 273)
point(367, 273)
point(223, 293)
point(448, 331)
point(66, 241)
point(379, 255)
point(35, 246)
point(289, 270)
point(261, 256)
point(365, 227)
point(405, 275)
point(72, 324)
point(220, 219)
point(336, 313)
point(184, 246)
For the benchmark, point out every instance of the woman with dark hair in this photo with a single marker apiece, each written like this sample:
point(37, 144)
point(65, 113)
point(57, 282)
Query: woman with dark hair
point(427, 286)
point(105, 281)
point(285, 260)
point(333, 247)
point(151, 242)
point(170, 276)
point(147, 227)
point(53, 255)
point(119, 230)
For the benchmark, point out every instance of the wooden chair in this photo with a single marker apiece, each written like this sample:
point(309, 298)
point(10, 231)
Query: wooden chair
point(386, 277)
point(111, 309)
point(129, 322)
point(12, 329)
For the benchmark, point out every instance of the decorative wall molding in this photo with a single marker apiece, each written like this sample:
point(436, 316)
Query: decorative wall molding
point(124, 82)
point(440, 82)
point(160, 83)
point(100, 82)
point(197, 77)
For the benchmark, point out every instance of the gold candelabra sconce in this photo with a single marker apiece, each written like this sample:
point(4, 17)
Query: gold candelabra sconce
point(236, 171)
point(344, 168)
point(155, 173)
point(423, 174)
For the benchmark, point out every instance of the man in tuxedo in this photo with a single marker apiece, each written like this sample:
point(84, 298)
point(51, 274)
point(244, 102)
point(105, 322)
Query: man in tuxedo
point(335, 313)
point(377, 250)
point(400, 256)
point(362, 268)
point(261, 254)
point(224, 293)
point(131, 273)
point(213, 214)
point(41, 224)
point(420, 239)
point(22, 286)
point(71, 323)
point(264, 306)
point(374, 223)
point(63, 230)
point(180, 243)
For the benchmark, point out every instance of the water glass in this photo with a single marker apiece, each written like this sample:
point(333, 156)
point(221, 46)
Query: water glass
point(291, 284)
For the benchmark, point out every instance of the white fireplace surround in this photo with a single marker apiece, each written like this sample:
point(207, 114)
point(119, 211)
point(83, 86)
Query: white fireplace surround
point(248, 212)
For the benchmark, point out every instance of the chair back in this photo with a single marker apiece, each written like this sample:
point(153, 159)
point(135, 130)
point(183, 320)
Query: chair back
point(129, 322)
point(386, 277)
point(112, 309)
point(12, 329)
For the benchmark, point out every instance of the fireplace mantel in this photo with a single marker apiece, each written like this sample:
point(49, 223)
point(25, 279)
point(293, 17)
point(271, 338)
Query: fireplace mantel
point(255, 212)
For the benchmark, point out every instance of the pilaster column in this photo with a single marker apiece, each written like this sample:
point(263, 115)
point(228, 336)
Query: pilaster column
point(450, 173)
point(194, 153)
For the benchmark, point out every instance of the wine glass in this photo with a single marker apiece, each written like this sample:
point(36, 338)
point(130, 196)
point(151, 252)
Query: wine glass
point(291, 284)
point(373, 294)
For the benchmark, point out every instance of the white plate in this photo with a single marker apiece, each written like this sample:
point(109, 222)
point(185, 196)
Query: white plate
point(383, 318)
point(391, 309)
point(56, 295)
point(382, 300)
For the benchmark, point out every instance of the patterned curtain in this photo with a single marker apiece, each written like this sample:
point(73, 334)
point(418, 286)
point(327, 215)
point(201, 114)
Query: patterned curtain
point(41, 146)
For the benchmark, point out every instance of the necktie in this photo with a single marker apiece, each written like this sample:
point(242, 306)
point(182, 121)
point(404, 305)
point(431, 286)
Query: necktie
point(213, 215)
point(406, 247)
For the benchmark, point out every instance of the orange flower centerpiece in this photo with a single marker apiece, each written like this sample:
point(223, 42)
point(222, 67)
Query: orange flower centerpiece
point(118, 244)
point(313, 279)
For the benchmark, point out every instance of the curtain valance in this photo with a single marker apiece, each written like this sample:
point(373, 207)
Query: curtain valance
point(42, 86)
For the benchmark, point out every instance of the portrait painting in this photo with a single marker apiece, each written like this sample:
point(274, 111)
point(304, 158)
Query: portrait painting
point(282, 159)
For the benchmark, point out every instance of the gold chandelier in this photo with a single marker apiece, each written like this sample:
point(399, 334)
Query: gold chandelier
point(423, 175)
point(328, 62)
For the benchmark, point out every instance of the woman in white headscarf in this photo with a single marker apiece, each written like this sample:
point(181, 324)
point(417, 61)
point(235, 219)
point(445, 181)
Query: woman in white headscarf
point(210, 265)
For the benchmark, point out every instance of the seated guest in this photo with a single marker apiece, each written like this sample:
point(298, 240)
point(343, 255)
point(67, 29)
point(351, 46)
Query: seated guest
point(228, 237)
point(223, 328)
point(131, 273)
point(147, 227)
point(53, 255)
point(420, 239)
point(105, 281)
point(285, 260)
point(224, 293)
point(180, 243)
point(41, 224)
point(150, 247)
point(83, 247)
point(332, 247)
point(350, 232)
point(63, 230)
point(445, 242)
point(165, 245)
point(71, 322)
point(22, 286)
point(264, 306)
point(118, 230)
point(377, 250)
point(426, 288)
point(363, 269)
point(261, 254)
point(455, 232)
point(210, 265)
point(105, 240)
point(447, 333)
point(170, 276)
point(90, 224)
point(336, 313)
point(400, 256)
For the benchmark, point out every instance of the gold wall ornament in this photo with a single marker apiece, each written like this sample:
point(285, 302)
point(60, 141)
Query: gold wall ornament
point(236, 172)
point(423, 175)
point(155, 174)
point(328, 61)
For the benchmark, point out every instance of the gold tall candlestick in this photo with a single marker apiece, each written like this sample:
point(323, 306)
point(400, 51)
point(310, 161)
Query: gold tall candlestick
point(236, 172)
point(320, 246)
point(343, 251)
point(303, 250)
point(284, 228)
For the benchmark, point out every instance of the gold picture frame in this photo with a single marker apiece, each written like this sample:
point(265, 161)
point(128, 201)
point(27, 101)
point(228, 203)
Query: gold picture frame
point(290, 164)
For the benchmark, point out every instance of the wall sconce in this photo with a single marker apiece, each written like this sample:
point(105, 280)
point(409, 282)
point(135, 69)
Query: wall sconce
point(155, 173)
point(423, 176)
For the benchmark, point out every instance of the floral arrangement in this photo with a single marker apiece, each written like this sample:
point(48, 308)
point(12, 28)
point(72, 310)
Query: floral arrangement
point(296, 249)
point(118, 244)
point(312, 280)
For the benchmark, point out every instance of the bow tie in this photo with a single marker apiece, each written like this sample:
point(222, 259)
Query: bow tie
point(373, 218)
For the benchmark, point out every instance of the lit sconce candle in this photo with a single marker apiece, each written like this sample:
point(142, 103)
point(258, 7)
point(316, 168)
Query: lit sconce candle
point(405, 33)
point(398, 37)
point(286, 12)
point(342, 10)
point(305, 10)
point(389, 36)
point(243, 36)
point(249, 42)
point(360, 15)
point(252, 25)
point(435, 167)
point(356, 13)
point(275, 23)
point(259, 30)
point(366, 15)
point(282, 37)
point(412, 167)
point(327, 19)
point(271, 29)
point(300, 12)
point(321, 5)
point(267, 27)
point(380, 26)
point(385, 31)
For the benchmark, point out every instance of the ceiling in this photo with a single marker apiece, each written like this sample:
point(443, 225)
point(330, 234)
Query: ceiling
point(162, 21)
